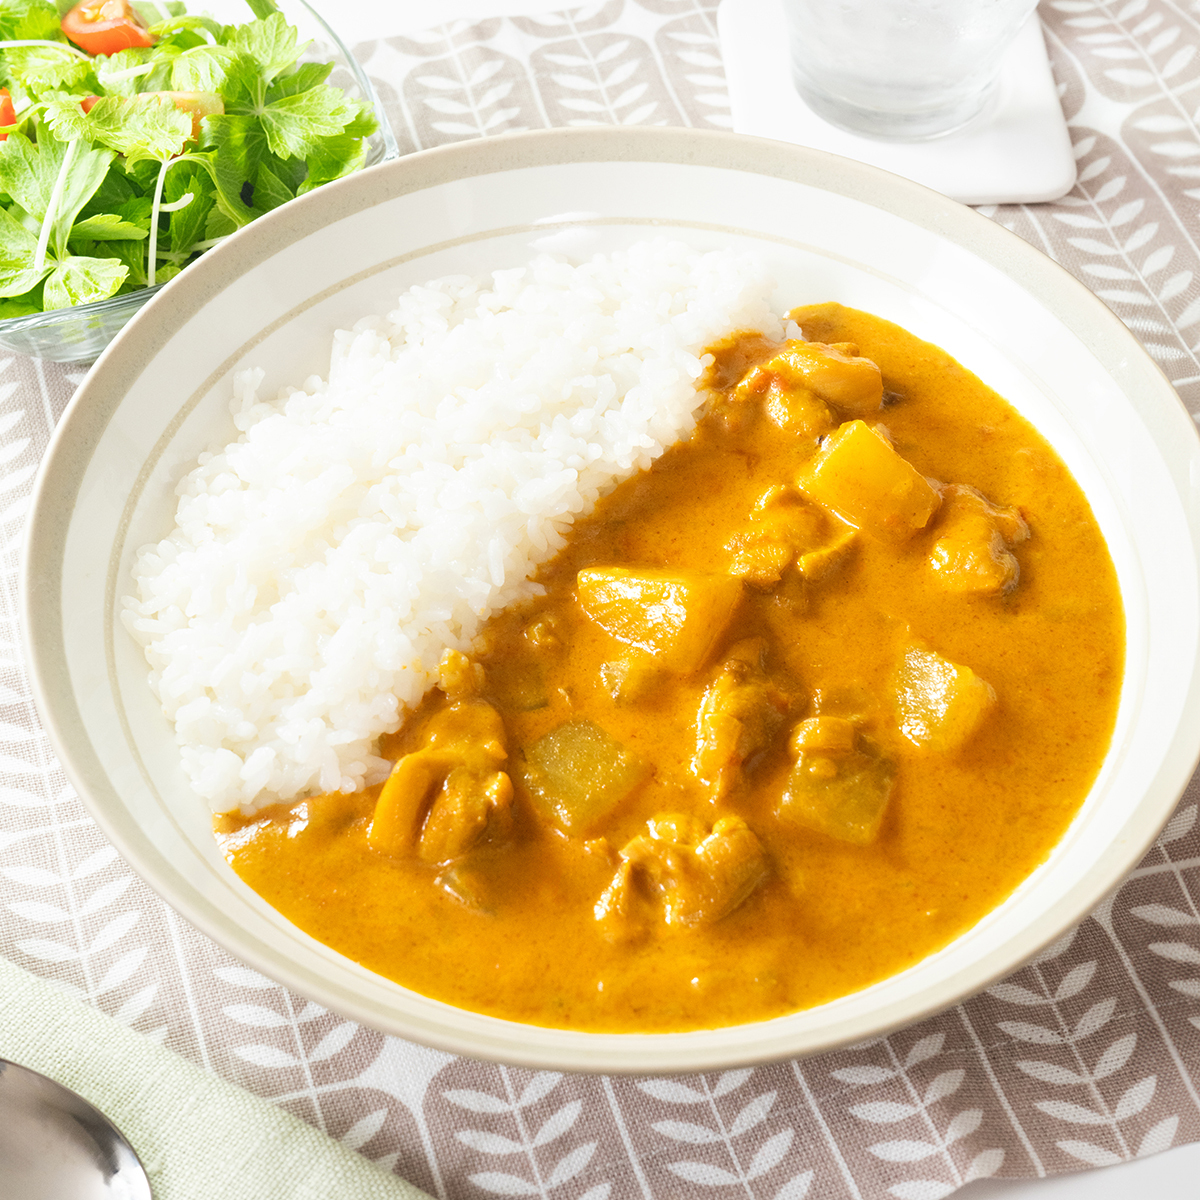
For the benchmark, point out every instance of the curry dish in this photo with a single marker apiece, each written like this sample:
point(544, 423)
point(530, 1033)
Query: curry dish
point(800, 704)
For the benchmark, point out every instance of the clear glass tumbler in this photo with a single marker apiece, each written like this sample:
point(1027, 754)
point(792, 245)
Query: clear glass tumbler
point(900, 70)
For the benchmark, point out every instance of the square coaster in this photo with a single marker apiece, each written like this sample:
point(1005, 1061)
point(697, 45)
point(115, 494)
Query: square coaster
point(1017, 150)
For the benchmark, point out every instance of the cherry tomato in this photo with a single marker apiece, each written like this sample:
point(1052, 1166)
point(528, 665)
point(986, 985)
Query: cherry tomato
point(105, 26)
point(8, 114)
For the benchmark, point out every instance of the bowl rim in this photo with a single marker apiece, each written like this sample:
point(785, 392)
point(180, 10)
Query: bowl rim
point(1096, 327)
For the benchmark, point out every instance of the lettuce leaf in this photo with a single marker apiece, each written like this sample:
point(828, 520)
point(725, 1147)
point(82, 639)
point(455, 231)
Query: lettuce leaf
point(18, 246)
point(142, 128)
point(204, 69)
point(186, 226)
point(80, 280)
point(38, 69)
point(28, 19)
point(30, 173)
point(295, 124)
point(22, 306)
point(130, 255)
point(126, 72)
point(238, 143)
point(107, 227)
point(272, 44)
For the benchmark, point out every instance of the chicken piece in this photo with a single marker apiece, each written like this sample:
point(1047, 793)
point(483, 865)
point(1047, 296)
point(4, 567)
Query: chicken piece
point(973, 553)
point(816, 564)
point(679, 872)
point(739, 716)
point(404, 802)
point(786, 530)
point(448, 797)
point(797, 410)
point(858, 475)
point(577, 775)
point(471, 807)
point(543, 632)
point(782, 525)
point(825, 373)
point(673, 618)
point(840, 784)
point(459, 676)
point(823, 735)
point(734, 355)
point(939, 703)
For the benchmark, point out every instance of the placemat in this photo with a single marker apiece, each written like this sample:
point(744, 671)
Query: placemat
point(1089, 1056)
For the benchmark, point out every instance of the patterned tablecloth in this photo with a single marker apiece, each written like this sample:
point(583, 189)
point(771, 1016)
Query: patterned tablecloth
point(1089, 1056)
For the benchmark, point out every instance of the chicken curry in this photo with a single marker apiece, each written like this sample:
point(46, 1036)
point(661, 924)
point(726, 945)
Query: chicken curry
point(800, 703)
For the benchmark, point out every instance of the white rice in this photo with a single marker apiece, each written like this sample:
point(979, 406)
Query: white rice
point(356, 528)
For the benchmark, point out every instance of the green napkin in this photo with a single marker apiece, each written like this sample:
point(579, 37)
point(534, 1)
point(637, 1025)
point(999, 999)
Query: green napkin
point(196, 1135)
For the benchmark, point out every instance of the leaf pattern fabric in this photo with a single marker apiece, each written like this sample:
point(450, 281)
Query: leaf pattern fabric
point(1086, 1057)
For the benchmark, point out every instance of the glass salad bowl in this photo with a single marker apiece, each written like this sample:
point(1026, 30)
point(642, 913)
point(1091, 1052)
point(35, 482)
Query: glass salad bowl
point(80, 332)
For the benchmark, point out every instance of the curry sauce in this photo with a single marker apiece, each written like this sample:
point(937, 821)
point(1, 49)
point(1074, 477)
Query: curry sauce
point(801, 703)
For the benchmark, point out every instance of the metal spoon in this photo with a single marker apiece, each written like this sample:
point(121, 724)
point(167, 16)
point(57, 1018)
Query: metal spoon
point(55, 1146)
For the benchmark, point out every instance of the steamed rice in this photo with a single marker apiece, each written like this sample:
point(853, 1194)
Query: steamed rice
point(357, 527)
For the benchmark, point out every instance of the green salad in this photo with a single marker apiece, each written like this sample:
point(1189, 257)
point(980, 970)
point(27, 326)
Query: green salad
point(134, 136)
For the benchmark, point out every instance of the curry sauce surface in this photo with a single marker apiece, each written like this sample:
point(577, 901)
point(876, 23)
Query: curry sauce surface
point(961, 830)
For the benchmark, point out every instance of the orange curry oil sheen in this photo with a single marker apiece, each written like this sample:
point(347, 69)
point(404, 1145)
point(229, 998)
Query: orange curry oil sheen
point(801, 703)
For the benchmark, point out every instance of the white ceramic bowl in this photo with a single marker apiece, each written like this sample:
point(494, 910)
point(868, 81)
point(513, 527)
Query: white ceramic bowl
point(833, 230)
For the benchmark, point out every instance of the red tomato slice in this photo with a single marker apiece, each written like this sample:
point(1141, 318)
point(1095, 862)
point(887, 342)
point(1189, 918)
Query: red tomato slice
point(105, 26)
point(8, 114)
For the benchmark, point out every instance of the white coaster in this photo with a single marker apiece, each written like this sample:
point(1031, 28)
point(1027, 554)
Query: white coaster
point(1016, 151)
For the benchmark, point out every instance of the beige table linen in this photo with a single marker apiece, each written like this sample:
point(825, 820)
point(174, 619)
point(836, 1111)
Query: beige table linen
point(1087, 1057)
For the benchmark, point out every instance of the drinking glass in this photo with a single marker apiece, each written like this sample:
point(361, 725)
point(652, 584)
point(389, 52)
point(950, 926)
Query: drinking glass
point(900, 70)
